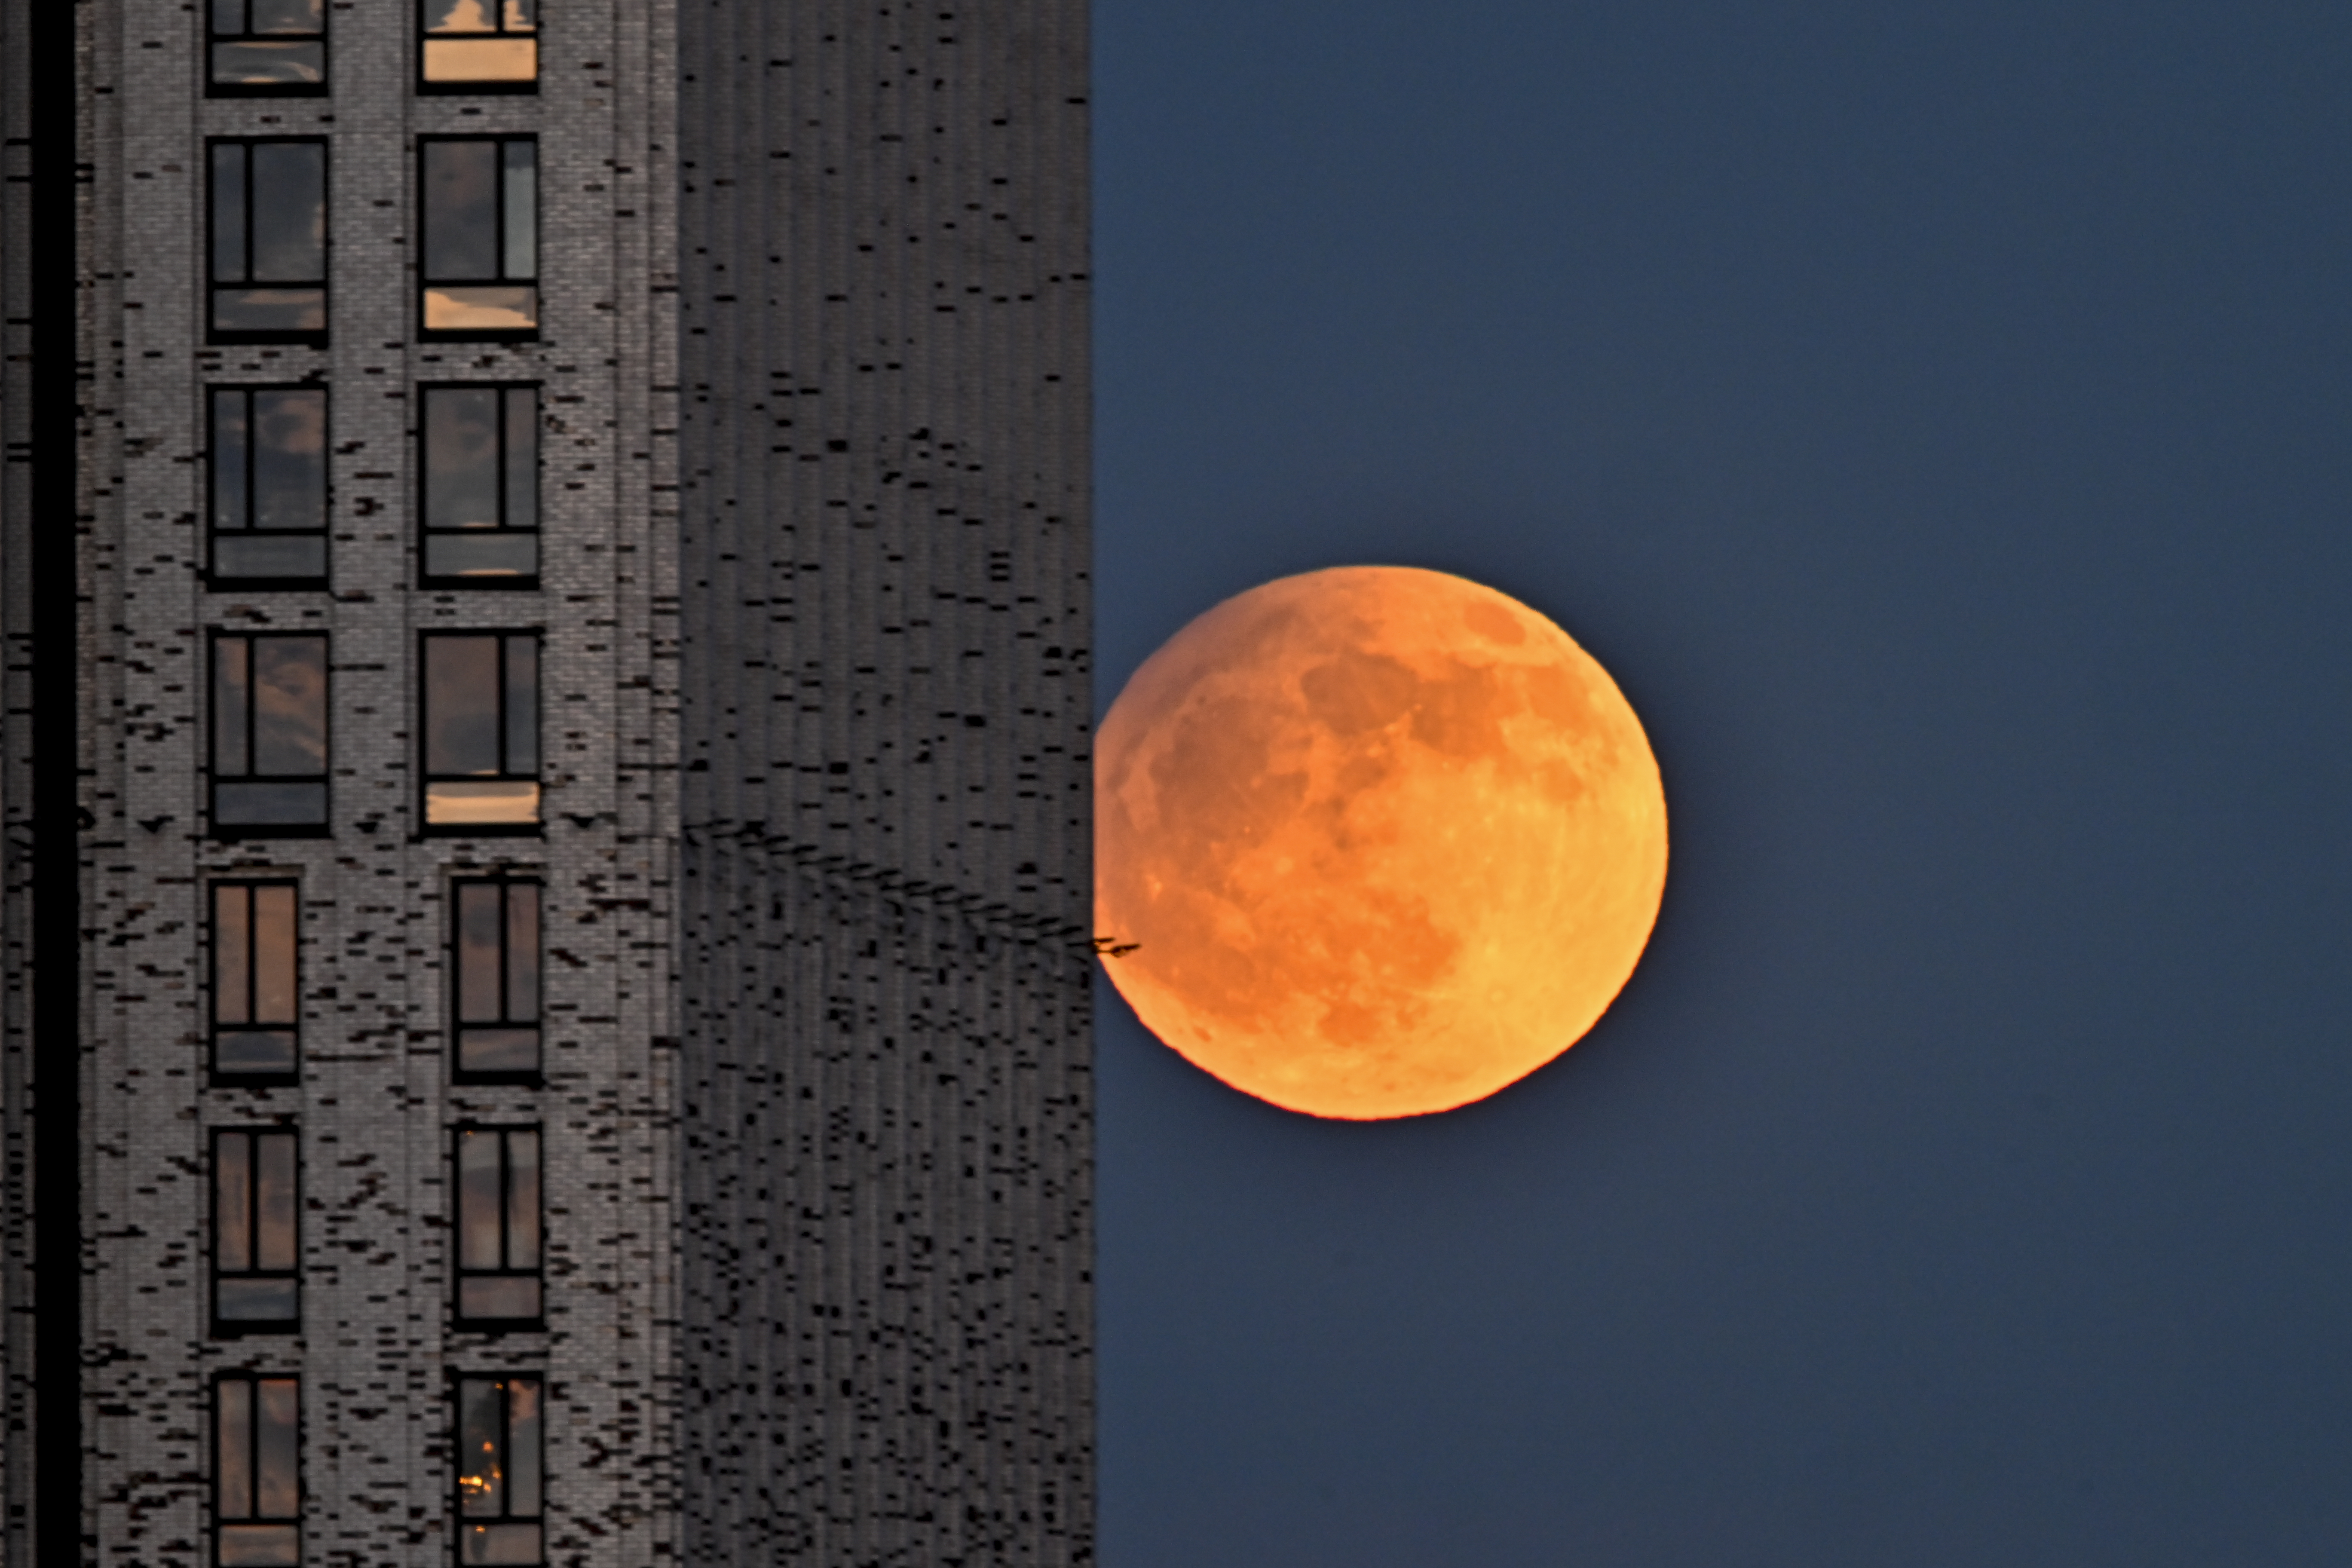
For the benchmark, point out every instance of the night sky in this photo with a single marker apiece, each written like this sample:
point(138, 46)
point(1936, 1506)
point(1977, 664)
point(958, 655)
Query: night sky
point(1938, 419)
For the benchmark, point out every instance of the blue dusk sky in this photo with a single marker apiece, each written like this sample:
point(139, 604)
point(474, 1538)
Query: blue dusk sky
point(1938, 418)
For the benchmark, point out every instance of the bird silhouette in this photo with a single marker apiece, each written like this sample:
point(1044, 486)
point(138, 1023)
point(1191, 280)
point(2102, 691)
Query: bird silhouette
point(1111, 947)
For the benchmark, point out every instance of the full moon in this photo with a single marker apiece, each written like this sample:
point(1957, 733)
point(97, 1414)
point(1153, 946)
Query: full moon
point(1374, 842)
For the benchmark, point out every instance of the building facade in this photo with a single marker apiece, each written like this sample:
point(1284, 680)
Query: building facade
point(545, 783)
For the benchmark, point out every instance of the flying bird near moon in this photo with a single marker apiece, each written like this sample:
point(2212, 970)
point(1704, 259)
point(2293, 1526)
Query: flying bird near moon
point(1374, 841)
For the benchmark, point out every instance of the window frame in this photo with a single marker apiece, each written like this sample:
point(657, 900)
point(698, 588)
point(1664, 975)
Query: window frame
point(214, 332)
point(426, 778)
point(427, 87)
point(426, 283)
point(214, 577)
point(536, 532)
point(459, 1519)
point(459, 1321)
point(215, 87)
point(253, 1378)
point(237, 1328)
point(504, 880)
point(224, 1078)
point(324, 777)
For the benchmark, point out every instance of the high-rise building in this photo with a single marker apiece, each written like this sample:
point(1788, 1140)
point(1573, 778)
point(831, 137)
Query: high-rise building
point(544, 783)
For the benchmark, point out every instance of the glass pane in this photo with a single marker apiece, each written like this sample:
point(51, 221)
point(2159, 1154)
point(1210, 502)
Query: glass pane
point(289, 707)
point(481, 1473)
point(461, 705)
point(232, 956)
point(273, 1201)
point(257, 1302)
point(228, 212)
point(238, 804)
point(450, 804)
point(257, 1050)
point(497, 1050)
point(233, 1449)
point(522, 456)
point(232, 1202)
point(232, 686)
point(228, 17)
point(481, 555)
point(228, 459)
point(261, 1545)
point(494, 1297)
point(269, 309)
point(461, 237)
point(522, 1446)
point(481, 59)
point(290, 15)
point(500, 1543)
point(278, 1478)
point(289, 212)
point(477, 952)
point(289, 459)
point(488, 308)
point(460, 17)
point(253, 62)
point(478, 1200)
point(521, 215)
point(523, 952)
point(270, 555)
point(522, 1200)
point(273, 955)
point(522, 705)
point(519, 15)
point(461, 456)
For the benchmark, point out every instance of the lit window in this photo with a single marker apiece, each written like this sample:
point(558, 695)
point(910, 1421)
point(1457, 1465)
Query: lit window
point(478, 46)
point(255, 997)
point(257, 1280)
point(500, 1471)
point(268, 251)
point(481, 485)
point(257, 1469)
point(269, 734)
point(496, 990)
point(481, 249)
point(268, 46)
point(482, 730)
point(498, 1227)
point(269, 485)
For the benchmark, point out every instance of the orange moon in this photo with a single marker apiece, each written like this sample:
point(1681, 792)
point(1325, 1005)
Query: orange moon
point(1383, 841)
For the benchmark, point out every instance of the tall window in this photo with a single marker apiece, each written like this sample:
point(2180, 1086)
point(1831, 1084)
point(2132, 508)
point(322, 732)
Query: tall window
point(268, 46)
point(495, 957)
point(501, 1470)
point(477, 45)
point(256, 1469)
point(481, 485)
point(498, 1282)
point(482, 730)
point(257, 1255)
point(480, 251)
point(269, 485)
point(255, 996)
point(268, 248)
point(269, 734)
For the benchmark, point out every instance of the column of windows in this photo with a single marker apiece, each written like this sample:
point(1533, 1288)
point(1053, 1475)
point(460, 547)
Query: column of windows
point(269, 754)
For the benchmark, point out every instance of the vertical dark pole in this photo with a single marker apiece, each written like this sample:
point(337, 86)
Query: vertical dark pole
point(57, 805)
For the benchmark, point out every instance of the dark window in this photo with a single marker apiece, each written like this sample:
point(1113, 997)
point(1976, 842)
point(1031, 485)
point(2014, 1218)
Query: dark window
point(268, 46)
point(256, 1469)
point(495, 957)
point(257, 1255)
point(268, 248)
point(482, 730)
point(269, 485)
point(501, 1478)
point(255, 996)
point(269, 732)
point(477, 45)
point(481, 485)
point(481, 249)
point(498, 1227)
